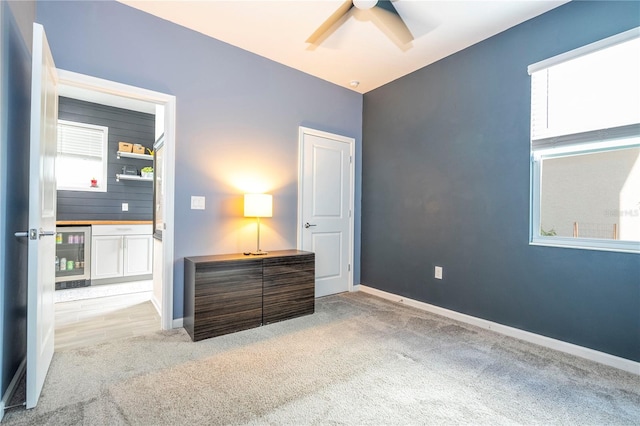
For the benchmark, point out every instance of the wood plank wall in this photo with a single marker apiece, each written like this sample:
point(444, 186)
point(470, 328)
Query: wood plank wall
point(124, 125)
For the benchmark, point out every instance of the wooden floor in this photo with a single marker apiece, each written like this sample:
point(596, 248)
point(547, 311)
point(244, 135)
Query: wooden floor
point(91, 321)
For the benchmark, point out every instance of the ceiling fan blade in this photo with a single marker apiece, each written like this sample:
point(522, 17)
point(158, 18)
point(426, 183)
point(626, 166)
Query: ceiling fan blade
point(387, 5)
point(326, 25)
point(392, 25)
point(415, 15)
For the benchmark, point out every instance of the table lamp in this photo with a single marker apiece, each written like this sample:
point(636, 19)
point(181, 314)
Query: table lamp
point(258, 205)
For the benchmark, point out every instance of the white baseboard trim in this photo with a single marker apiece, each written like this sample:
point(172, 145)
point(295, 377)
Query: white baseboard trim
point(155, 304)
point(12, 386)
point(548, 342)
point(177, 323)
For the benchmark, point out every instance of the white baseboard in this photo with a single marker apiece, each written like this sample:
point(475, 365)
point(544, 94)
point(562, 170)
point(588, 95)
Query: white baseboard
point(12, 386)
point(156, 305)
point(177, 323)
point(559, 345)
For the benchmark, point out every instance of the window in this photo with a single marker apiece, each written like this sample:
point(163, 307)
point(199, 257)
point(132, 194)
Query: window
point(585, 146)
point(81, 160)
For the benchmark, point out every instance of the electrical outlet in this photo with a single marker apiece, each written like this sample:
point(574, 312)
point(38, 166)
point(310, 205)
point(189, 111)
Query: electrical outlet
point(438, 272)
point(125, 207)
point(197, 203)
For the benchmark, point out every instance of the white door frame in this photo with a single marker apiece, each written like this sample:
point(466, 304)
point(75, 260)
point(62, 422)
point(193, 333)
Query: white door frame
point(3, 203)
point(70, 78)
point(352, 142)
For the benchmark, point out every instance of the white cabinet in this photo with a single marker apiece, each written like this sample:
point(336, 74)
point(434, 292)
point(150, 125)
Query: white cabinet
point(106, 256)
point(121, 251)
point(138, 252)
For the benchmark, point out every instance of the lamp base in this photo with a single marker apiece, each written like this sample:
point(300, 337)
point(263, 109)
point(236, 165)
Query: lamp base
point(259, 253)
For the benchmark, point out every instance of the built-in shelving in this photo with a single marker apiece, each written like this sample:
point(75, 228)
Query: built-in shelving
point(132, 177)
point(136, 156)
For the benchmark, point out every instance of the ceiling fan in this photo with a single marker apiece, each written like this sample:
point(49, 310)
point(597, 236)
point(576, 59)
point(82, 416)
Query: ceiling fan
point(390, 16)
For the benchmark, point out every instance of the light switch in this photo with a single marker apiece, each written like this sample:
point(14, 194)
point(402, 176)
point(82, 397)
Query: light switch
point(438, 272)
point(125, 207)
point(197, 203)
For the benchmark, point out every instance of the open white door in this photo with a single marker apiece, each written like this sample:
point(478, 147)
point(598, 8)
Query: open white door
point(325, 219)
point(42, 216)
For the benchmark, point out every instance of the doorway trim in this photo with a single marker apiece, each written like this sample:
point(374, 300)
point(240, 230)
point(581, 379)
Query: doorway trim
point(352, 143)
point(70, 78)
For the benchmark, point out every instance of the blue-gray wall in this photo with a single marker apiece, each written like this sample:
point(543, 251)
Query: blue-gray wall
point(15, 105)
point(237, 117)
point(126, 126)
point(446, 182)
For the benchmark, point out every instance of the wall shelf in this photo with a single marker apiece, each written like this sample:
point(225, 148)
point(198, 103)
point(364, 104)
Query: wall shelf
point(136, 156)
point(132, 177)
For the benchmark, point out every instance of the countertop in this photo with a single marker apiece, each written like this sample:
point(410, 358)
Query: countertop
point(242, 256)
point(103, 222)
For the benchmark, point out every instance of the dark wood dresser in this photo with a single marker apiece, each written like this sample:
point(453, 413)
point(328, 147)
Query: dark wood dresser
point(232, 292)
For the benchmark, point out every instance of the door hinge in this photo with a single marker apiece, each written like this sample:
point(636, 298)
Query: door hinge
point(349, 213)
point(349, 268)
point(350, 159)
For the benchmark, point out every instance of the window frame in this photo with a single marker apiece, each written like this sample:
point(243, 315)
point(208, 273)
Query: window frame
point(601, 140)
point(541, 154)
point(103, 179)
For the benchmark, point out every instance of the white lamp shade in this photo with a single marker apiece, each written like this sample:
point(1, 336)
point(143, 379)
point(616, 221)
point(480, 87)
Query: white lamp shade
point(258, 205)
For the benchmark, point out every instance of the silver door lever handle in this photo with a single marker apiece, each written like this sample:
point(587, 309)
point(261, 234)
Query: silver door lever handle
point(35, 234)
point(308, 225)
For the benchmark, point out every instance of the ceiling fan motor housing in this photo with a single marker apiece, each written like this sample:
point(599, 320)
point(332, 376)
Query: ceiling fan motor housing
point(364, 4)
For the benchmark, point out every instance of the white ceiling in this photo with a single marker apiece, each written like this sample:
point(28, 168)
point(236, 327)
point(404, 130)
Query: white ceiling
point(357, 50)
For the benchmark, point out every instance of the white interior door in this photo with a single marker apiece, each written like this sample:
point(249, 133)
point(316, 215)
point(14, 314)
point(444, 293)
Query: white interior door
point(326, 205)
point(42, 216)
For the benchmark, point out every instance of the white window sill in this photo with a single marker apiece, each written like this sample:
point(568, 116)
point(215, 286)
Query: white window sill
point(87, 189)
point(588, 244)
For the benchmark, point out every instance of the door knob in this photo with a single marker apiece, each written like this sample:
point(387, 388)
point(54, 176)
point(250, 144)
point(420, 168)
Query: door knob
point(308, 225)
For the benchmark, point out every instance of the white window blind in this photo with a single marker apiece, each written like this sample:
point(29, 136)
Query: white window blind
point(75, 139)
point(600, 90)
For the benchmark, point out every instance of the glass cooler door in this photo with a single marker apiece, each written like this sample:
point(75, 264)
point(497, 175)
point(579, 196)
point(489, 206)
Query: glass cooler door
point(72, 253)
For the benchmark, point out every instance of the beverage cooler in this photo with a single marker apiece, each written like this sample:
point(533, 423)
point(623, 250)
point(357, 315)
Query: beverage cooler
point(73, 257)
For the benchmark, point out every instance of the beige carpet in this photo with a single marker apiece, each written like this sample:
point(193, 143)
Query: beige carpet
point(357, 360)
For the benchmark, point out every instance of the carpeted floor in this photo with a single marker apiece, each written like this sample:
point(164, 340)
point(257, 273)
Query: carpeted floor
point(358, 360)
